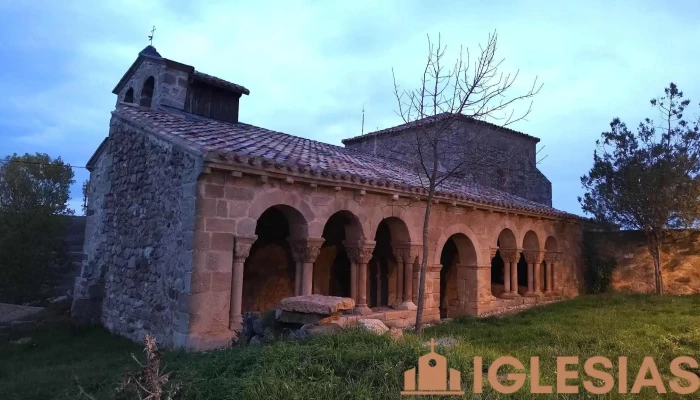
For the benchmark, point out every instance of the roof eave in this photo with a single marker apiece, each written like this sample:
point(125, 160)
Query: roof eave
point(93, 159)
point(213, 163)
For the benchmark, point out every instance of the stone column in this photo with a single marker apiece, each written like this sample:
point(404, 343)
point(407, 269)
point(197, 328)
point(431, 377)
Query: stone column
point(311, 252)
point(360, 253)
point(297, 247)
point(241, 250)
point(305, 252)
point(534, 259)
point(408, 256)
point(400, 269)
point(510, 272)
point(551, 257)
point(353, 279)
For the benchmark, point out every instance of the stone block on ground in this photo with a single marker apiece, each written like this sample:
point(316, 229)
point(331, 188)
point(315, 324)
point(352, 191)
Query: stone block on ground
point(324, 329)
point(317, 304)
point(291, 317)
point(23, 326)
point(373, 325)
point(255, 341)
point(22, 341)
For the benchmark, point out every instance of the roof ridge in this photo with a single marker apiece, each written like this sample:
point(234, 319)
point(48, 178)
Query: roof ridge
point(235, 143)
point(411, 124)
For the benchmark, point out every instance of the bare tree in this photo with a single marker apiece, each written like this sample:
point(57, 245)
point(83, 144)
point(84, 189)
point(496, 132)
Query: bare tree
point(443, 151)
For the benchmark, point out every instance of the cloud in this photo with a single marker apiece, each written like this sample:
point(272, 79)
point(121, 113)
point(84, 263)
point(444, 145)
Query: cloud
point(312, 66)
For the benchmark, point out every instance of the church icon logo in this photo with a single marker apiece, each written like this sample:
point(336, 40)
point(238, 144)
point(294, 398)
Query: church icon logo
point(432, 376)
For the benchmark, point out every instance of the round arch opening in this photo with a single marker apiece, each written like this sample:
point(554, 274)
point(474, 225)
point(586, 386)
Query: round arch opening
point(269, 270)
point(458, 252)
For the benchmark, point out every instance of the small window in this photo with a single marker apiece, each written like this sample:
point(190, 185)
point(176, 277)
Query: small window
point(129, 96)
point(147, 92)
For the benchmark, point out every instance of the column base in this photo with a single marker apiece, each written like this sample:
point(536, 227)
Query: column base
point(530, 294)
point(362, 310)
point(406, 305)
point(236, 324)
point(509, 295)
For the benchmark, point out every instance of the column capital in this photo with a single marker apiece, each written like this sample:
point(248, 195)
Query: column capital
point(241, 247)
point(416, 250)
point(552, 256)
point(402, 251)
point(492, 251)
point(533, 256)
point(510, 255)
point(359, 251)
point(306, 249)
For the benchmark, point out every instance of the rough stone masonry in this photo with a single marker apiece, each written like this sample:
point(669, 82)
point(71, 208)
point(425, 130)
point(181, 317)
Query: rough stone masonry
point(196, 219)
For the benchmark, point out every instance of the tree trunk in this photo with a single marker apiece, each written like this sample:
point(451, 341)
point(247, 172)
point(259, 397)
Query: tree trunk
point(657, 271)
point(423, 264)
point(654, 246)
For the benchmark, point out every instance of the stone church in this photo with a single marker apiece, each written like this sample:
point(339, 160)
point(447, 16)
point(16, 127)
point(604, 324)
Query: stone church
point(195, 218)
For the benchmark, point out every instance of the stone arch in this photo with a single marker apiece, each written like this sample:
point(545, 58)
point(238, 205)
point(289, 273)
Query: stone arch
point(506, 239)
point(146, 99)
point(287, 202)
point(352, 226)
point(269, 270)
point(399, 230)
point(332, 266)
point(383, 268)
point(129, 96)
point(551, 244)
point(531, 241)
point(505, 224)
point(357, 211)
point(547, 278)
point(466, 231)
point(458, 253)
point(413, 230)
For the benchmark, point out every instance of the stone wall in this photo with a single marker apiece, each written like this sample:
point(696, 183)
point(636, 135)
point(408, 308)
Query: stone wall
point(170, 84)
point(74, 237)
point(230, 203)
point(507, 161)
point(136, 278)
point(680, 261)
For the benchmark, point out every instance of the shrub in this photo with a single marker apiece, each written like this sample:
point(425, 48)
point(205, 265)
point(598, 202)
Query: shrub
point(599, 268)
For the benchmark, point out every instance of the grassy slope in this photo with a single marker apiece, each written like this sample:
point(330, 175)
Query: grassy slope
point(357, 365)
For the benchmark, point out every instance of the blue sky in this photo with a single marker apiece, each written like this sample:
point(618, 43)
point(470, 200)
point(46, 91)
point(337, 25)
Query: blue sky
point(312, 65)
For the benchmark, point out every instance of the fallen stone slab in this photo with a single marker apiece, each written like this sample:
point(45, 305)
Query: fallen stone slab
point(317, 304)
point(373, 325)
point(23, 326)
point(325, 329)
point(22, 341)
point(10, 313)
point(291, 317)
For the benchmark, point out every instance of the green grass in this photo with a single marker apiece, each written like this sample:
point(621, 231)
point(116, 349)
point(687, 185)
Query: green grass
point(357, 365)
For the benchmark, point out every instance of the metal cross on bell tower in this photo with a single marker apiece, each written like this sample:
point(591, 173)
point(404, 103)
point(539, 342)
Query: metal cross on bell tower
point(150, 38)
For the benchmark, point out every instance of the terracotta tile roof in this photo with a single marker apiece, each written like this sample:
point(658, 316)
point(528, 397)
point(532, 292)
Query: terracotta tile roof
point(243, 144)
point(214, 81)
point(428, 120)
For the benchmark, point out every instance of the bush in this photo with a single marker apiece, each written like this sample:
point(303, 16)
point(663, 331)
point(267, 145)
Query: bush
point(34, 191)
point(599, 268)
